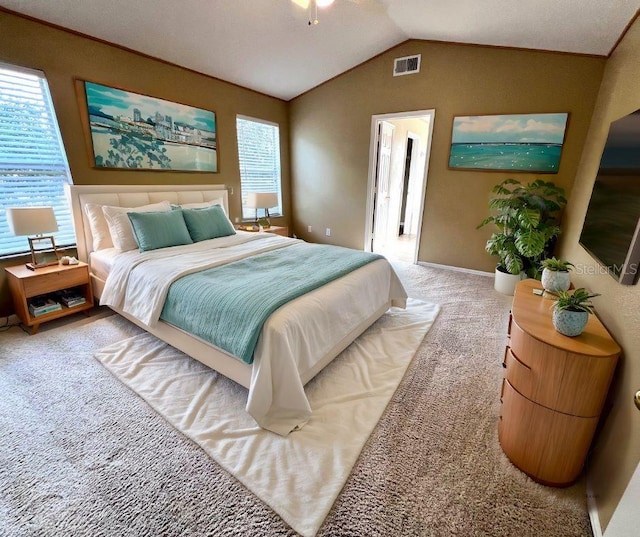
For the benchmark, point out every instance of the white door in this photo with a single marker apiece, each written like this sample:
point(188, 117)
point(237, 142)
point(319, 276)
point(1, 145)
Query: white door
point(414, 187)
point(625, 521)
point(383, 184)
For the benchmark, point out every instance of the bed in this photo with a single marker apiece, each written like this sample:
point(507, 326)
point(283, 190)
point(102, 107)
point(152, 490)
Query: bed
point(297, 340)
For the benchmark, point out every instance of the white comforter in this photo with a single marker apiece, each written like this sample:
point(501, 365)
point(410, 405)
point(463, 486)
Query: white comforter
point(296, 340)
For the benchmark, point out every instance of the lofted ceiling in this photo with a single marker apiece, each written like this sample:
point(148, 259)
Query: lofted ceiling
point(268, 45)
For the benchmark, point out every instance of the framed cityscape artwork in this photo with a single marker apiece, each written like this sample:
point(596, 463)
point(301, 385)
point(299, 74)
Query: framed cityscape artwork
point(133, 131)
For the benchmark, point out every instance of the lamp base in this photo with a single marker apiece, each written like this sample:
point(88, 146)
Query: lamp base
point(264, 223)
point(34, 266)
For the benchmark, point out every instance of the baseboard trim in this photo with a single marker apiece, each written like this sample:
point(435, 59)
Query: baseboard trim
point(592, 508)
point(456, 269)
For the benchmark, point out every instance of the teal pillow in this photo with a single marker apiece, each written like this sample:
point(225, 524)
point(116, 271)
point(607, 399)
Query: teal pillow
point(159, 229)
point(207, 223)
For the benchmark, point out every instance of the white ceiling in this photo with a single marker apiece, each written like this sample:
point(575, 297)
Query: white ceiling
point(268, 46)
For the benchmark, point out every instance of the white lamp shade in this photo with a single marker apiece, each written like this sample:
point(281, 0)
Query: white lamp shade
point(262, 200)
point(31, 220)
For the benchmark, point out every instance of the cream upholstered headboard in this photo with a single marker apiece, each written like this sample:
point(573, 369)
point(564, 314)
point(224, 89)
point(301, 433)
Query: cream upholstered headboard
point(132, 196)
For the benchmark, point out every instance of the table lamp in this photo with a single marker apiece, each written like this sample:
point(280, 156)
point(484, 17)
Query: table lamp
point(35, 221)
point(262, 200)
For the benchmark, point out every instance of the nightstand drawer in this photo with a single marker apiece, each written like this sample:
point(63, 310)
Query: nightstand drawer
point(52, 281)
point(518, 374)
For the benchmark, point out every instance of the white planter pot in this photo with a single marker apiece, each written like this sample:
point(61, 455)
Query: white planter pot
point(570, 323)
point(555, 280)
point(505, 283)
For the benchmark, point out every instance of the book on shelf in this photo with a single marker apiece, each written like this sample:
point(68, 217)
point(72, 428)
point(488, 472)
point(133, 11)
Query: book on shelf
point(40, 306)
point(71, 297)
point(71, 302)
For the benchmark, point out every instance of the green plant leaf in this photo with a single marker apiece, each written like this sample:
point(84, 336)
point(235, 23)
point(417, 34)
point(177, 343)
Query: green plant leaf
point(530, 243)
point(579, 300)
point(513, 263)
point(529, 218)
point(486, 221)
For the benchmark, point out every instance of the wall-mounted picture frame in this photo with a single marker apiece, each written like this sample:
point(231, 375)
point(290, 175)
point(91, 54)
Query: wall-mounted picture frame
point(508, 142)
point(132, 131)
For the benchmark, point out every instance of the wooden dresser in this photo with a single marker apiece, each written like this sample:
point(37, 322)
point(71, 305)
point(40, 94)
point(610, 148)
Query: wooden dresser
point(553, 389)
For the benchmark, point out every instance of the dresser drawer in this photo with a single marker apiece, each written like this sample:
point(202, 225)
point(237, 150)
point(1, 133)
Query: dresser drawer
point(549, 446)
point(518, 373)
point(520, 342)
point(54, 281)
point(564, 381)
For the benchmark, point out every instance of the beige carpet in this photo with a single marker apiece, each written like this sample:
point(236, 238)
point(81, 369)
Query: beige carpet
point(301, 475)
point(81, 455)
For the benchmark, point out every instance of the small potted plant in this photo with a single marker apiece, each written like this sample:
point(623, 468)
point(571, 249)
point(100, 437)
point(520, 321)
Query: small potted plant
point(555, 275)
point(571, 311)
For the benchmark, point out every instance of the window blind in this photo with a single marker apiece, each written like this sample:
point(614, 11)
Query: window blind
point(259, 156)
point(33, 164)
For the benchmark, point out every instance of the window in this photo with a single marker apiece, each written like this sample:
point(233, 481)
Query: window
point(259, 155)
point(33, 164)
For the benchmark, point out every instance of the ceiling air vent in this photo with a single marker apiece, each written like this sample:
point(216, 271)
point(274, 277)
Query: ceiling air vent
point(407, 65)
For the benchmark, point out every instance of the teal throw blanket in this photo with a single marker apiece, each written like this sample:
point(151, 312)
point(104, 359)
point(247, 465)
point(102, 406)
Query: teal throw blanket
point(228, 305)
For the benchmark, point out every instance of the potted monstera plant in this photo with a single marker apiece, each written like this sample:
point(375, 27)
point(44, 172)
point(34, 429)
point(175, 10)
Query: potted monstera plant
point(555, 275)
point(527, 220)
point(571, 311)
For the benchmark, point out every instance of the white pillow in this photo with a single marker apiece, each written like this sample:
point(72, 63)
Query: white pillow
point(98, 226)
point(203, 204)
point(120, 225)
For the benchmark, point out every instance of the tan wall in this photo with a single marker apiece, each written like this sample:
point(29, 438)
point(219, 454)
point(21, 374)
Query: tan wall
point(617, 451)
point(65, 57)
point(330, 134)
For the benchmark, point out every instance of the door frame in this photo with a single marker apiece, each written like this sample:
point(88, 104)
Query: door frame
point(371, 180)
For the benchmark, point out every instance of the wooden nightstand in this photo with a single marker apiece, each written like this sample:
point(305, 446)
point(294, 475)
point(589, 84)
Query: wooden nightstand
point(278, 230)
point(26, 284)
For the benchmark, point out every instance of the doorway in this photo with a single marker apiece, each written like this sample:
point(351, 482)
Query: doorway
point(399, 157)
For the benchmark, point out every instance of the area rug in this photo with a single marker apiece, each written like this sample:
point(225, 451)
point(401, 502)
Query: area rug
point(299, 476)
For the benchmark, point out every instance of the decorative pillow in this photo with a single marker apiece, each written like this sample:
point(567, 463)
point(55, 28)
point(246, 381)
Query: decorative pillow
point(209, 223)
point(155, 230)
point(120, 226)
point(98, 226)
point(203, 204)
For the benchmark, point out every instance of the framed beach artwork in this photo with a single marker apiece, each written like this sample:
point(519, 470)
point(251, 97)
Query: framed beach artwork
point(137, 132)
point(514, 142)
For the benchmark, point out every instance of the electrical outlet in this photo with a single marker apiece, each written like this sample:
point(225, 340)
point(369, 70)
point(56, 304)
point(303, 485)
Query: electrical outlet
point(309, 229)
point(328, 232)
point(237, 219)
